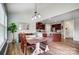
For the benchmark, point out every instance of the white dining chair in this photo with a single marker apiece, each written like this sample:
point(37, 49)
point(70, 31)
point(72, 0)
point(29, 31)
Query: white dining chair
point(47, 49)
point(37, 50)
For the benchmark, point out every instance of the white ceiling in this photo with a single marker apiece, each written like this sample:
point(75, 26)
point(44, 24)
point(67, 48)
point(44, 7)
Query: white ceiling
point(46, 10)
point(25, 7)
point(62, 17)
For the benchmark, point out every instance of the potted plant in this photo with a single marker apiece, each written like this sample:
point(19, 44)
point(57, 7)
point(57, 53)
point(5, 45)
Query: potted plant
point(12, 28)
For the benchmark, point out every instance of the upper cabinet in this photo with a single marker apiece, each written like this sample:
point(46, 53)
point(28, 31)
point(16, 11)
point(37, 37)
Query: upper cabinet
point(40, 26)
point(55, 27)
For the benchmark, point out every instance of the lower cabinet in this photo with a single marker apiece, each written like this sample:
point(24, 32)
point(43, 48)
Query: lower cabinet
point(56, 37)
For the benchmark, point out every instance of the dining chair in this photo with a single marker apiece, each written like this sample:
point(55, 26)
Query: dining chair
point(19, 36)
point(25, 45)
point(37, 49)
point(44, 46)
point(41, 47)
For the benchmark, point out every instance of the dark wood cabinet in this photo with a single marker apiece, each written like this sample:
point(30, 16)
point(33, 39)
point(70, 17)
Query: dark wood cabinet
point(56, 27)
point(40, 26)
point(56, 37)
point(44, 34)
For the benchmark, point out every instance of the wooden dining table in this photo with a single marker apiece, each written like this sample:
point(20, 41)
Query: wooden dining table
point(36, 40)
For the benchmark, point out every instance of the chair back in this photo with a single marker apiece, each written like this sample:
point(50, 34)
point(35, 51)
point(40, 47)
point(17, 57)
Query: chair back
point(23, 43)
point(43, 45)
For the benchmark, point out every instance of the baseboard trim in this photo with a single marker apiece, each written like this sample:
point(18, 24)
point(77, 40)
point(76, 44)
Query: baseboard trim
point(69, 38)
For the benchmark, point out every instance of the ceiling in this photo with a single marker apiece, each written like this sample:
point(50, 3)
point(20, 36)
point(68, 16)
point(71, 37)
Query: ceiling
point(25, 7)
point(46, 10)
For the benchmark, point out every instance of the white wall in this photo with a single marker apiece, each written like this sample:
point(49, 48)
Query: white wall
point(68, 28)
point(21, 18)
point(76, 29)
point(48, 28)
point(18, 19)
point(55, 10)
point(73, 29)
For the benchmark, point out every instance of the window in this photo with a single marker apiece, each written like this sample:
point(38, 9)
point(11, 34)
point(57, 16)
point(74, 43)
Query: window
point(1, 35)
point(3, 26)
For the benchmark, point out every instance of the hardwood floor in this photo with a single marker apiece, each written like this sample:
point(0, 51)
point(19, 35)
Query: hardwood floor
point(13, 49)
point(68, 47)
point(61, 48)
